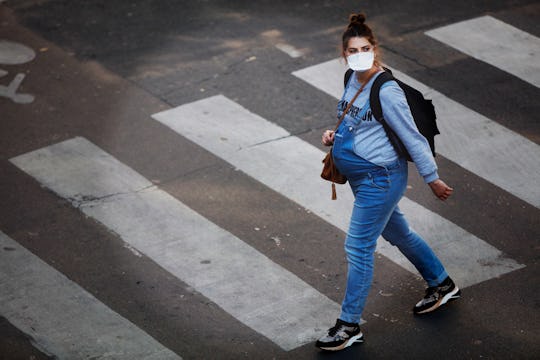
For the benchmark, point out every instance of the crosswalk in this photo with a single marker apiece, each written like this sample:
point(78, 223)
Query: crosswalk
point(62, 317)
point(241, 280)
point(511, 49)
point(226, 129)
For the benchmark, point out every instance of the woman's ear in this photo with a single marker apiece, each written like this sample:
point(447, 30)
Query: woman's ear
point(376, 61)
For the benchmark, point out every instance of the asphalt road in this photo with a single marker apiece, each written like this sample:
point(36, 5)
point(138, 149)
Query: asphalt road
point(101, 70)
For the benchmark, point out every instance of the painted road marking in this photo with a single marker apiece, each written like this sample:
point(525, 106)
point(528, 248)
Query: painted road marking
point(496, 43)
point(289, 50)
point(468, 138)
point(62, 318)
point(292, 166)
point(12, 53)
point(244, 282)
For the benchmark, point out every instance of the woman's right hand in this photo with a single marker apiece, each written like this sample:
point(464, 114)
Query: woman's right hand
point(328, 138)
point(440, 189)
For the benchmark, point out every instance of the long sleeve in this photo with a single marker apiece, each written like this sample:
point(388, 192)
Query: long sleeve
point(398, 115)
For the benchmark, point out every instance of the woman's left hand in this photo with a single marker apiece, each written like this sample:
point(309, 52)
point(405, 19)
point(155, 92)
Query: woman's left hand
point(440, 189)
point(328, 138)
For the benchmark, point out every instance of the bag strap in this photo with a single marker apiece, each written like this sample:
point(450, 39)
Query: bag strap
point(347, 76)
point(374, 99)
point(376, 110)
point(352, 101)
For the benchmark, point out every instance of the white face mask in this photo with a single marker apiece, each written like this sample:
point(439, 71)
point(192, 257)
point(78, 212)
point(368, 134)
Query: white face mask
point(361, 61)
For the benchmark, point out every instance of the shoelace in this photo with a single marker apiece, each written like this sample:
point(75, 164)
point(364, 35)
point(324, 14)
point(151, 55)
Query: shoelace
point(431, 292)
point(335, 329)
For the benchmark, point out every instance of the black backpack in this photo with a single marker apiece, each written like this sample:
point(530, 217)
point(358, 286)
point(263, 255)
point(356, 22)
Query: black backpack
point(422, 111)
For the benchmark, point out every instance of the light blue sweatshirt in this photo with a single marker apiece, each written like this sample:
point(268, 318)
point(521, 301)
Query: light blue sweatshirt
point(370, 140)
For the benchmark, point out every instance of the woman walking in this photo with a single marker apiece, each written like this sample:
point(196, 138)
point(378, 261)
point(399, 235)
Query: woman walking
point(378, 178)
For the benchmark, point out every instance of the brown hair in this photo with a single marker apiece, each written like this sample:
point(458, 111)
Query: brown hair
point(357, 28)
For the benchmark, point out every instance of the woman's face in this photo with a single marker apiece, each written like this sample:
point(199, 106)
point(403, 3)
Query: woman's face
point(360, 54)
point(357, 45)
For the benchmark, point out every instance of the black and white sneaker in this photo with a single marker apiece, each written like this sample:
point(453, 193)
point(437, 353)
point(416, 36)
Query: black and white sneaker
point(437, 296)
point(340, 336)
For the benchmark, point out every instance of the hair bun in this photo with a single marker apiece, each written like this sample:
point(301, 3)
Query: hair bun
point(357, 19)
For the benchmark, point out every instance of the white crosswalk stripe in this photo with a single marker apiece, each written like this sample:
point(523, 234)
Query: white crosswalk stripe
point(61, 317)
point(291, 166)
point(242, 281)
point(468, 138)
point(497, 43)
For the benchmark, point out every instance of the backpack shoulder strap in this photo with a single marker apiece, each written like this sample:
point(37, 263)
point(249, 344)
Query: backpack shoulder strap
point(374, 99)
point(347, 76)
point(376, 110)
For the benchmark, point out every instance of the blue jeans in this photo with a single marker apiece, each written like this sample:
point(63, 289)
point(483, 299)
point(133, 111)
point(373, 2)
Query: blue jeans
point(377, 191)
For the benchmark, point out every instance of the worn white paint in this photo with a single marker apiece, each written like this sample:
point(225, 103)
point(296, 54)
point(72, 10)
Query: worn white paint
point(63, 319)
point(10, 91)
point(289, 50)
point(496, 43)
point(235, 276)
point(291, 167)
point(12, 53)
point(468, 138)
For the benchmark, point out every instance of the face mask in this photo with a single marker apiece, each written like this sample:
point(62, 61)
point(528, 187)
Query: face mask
point(361, 61)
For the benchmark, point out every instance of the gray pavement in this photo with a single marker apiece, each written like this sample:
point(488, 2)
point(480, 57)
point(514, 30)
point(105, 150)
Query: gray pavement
point(100, 70)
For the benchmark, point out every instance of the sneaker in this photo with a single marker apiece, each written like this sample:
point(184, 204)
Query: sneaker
point(437, 296)
point(340, 336)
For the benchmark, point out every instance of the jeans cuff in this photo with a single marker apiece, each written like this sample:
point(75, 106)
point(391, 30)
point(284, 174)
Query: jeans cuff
point(439, 279)
point(350, 318)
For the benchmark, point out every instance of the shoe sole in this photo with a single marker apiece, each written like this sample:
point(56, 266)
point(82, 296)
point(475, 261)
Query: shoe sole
point(451, 296)
point(355, 339)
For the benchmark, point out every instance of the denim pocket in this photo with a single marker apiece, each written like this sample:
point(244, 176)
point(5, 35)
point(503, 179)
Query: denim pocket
point(379, 181)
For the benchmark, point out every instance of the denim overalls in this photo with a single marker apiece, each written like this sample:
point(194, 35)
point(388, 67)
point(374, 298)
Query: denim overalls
point(377, 191)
